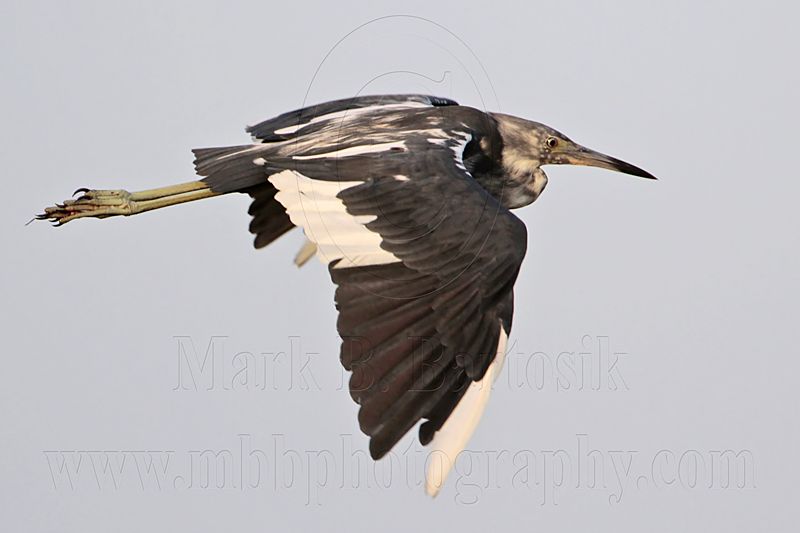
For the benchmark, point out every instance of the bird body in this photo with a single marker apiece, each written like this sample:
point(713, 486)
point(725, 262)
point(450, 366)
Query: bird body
point(407, 198)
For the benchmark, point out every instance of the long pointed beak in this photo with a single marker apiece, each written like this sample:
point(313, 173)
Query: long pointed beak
point(584, 156)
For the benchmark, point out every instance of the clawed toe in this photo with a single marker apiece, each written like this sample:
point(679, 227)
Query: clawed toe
point(90, 203)
point(100, 203)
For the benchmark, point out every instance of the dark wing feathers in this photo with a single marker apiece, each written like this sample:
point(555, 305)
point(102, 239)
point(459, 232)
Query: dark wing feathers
point(426, 327)
point(269, 217)
point(266, 131)
point(442, 409)
point(231, 169)
point(417, 332)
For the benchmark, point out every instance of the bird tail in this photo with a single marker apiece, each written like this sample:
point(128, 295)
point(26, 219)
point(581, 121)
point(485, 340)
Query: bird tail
point(238, 169)
point(231, 168)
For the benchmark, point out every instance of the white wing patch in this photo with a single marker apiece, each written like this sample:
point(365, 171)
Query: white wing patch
point(349, 114)
point(313, 205)
point(458, 148)
point(454, 434)
point(356, 150)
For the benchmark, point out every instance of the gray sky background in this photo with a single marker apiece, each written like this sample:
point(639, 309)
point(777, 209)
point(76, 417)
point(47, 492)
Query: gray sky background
point(694, 277)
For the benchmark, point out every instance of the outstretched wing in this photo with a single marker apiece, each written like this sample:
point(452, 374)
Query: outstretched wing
point(425, 261)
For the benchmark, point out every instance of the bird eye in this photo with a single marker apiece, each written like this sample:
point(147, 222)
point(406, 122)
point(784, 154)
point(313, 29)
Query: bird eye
point(552, 142)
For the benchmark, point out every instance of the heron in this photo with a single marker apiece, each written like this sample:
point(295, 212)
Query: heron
point(407, 199)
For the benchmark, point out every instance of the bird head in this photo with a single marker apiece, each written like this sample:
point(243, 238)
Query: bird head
point(528, 145)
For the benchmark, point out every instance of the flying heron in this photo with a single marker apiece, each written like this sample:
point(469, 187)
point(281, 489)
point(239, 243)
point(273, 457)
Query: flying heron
point(407, 199)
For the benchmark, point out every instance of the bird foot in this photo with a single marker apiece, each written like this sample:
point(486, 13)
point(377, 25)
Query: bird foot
point(90, 203)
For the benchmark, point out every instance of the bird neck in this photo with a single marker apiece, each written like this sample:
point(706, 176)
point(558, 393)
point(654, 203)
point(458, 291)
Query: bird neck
point(513, 190)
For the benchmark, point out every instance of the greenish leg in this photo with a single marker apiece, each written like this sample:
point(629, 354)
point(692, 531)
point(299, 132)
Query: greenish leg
point(98, 203)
